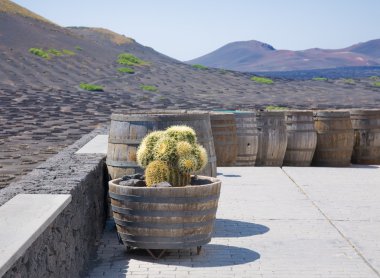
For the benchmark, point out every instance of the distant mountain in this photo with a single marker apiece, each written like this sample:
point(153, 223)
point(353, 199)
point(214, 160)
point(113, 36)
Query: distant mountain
point(255, 56)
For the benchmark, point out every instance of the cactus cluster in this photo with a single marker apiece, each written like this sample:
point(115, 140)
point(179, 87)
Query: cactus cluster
point(171, 155)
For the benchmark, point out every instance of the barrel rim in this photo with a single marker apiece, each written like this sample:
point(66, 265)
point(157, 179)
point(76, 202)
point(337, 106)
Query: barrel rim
point(140, 117)
point(214, 181)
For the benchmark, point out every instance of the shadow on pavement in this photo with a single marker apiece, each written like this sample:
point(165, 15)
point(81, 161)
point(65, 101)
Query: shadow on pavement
point(212, 255)
point(235, 228)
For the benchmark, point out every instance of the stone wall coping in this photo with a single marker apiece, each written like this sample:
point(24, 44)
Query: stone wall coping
point(97, 145)
point(22, 220)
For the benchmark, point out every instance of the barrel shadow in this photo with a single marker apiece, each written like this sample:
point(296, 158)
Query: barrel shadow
point(235, 228)
point(228, 176)
point(212, 255)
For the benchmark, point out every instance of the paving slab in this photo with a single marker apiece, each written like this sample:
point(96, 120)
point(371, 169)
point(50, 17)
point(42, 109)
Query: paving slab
point(97, 145)
point(350, 199)
point(266, 226)
point(23, 219)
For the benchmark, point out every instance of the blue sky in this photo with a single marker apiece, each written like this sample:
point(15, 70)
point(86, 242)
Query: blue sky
point(187, 29)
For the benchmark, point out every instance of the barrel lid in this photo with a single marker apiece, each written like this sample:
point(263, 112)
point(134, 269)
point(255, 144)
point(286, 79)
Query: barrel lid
point(366, 112)
point(331, 114)
point(141, 117)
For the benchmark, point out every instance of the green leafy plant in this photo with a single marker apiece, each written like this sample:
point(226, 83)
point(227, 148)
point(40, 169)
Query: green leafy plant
point(149, 88)
point(171, 155)
point(39, 52)
point(376, 84)
point(78, 48)
point(262, 80)
point(55, 52)
point(374, 77)
point(349, 81)
point(126, 70)
point(130, 60)
point(91, 87)
point(68, 52)
point(275, 107)
point(198, 66)
point(319, 78)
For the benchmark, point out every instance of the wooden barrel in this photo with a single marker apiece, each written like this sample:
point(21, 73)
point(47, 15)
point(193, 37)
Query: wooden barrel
point(335, 138)
point(127, 131)
point(302, 138)
point(247, 138)
point(366, 125)
point(165, 218)
point(272, 138)
point(223, 126)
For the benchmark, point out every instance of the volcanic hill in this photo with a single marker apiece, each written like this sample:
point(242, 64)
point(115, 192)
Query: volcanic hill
point(255, 56)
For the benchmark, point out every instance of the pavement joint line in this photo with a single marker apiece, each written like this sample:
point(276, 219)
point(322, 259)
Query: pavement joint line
point(333, 225)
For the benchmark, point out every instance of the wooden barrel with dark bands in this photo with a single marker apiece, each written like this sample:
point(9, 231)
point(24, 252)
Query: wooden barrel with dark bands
point(247, 138)
point(223, 126)
point(272, 138)
point(335, 138)
point(302, 138)
point(366, 125)
point(127, 131)
point(165, 218)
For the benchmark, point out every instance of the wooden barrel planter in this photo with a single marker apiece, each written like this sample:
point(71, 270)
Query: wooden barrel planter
point(165, 218)
point(302, 138)
point(247, 138)
point(127, 131)
point(272, 138)
point(223, 126)
point(366, 125)
point(335, 138)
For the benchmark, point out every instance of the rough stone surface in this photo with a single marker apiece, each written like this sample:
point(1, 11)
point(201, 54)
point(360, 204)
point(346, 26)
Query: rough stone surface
point(64, 249)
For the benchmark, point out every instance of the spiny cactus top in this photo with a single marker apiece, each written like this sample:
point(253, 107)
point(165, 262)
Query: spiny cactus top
point(178, 152)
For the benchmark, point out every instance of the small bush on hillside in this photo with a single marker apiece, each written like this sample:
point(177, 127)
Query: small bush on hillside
point(376, 84)
point(262, 80)
point(374, 77)
point(130, 60)
point(40, 52)
point(275, 107)
point(349, 81)
point(149, 88)
point(319, 79)
point(55, 52)
point(126, 70)
point(201, 67)
point(78, 48)
point(68, 52)
point(91, 87)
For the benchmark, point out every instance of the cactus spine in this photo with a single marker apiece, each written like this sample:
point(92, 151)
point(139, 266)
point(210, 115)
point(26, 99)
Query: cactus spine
point(171, 155)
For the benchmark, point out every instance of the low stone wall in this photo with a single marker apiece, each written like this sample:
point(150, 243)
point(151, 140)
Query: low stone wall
point(64, 248)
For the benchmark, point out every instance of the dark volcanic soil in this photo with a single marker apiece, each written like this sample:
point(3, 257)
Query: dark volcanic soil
point(43, 110)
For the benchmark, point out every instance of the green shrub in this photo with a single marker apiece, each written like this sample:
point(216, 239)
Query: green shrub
point(201, 67)
point(55, 52)
point(78, 48)
point(349, 81)
point(91, 87)
point(68, 52)
point(126, 70)
point(374, 77)
point(130, 60)
point(39, 52)
point(274, 107)
point(262, 80)
point(171, 155)
point(376, 84)
point(319, 78)
point(149, 88)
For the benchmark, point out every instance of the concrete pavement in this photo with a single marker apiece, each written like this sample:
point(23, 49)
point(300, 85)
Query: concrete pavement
point(274, 222)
